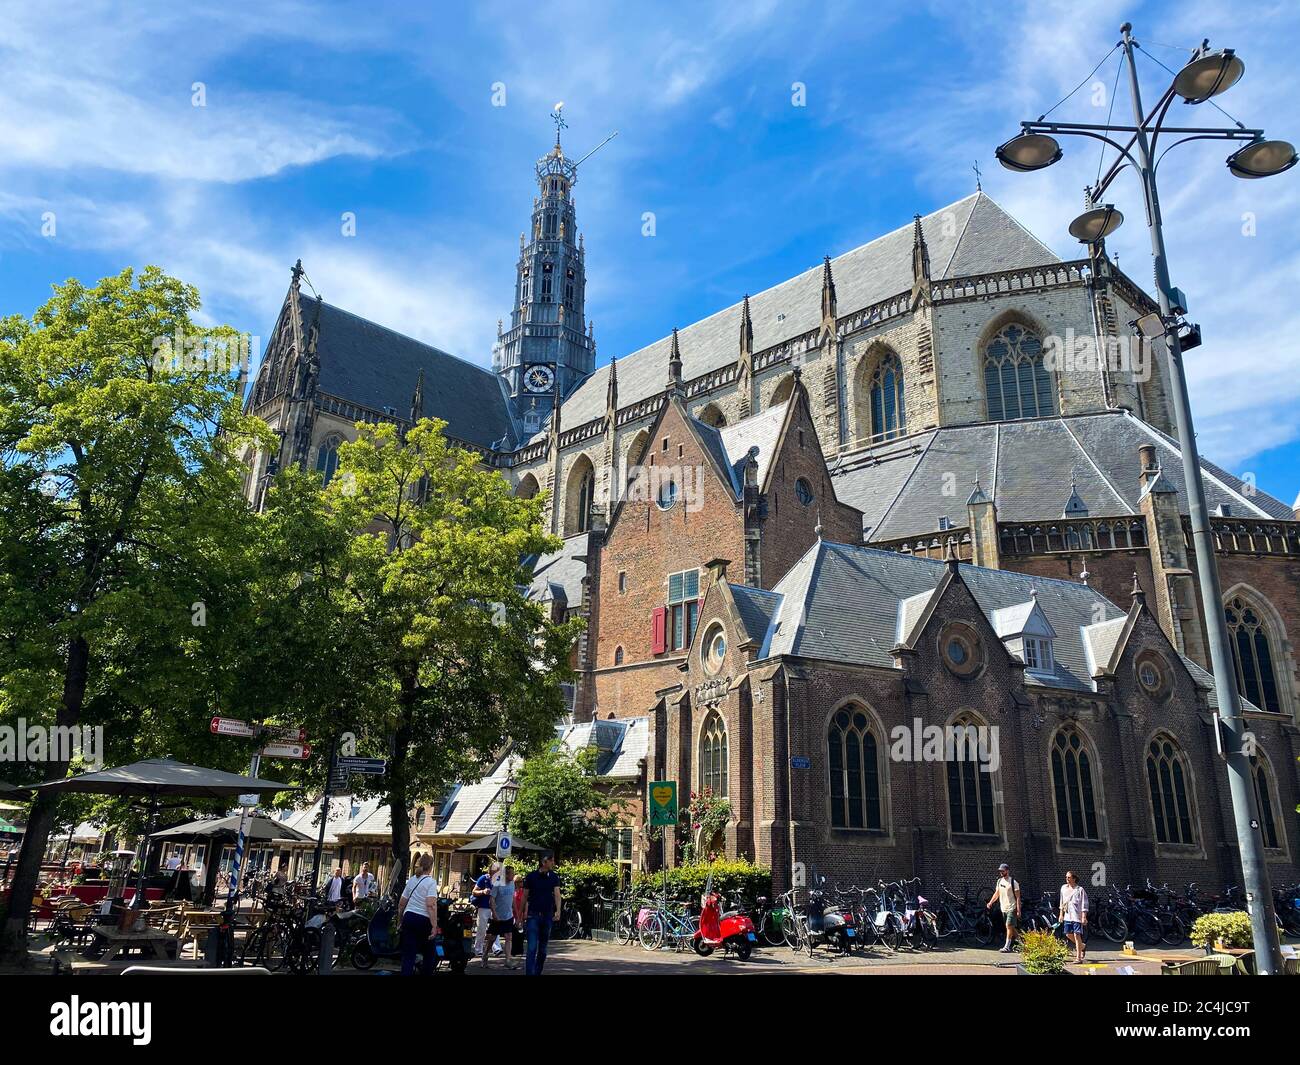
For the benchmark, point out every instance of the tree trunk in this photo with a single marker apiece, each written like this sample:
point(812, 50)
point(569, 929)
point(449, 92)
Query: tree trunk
point(398, 801)
point(40, 818)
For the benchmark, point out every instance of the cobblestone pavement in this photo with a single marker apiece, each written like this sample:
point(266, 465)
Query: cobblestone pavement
point(610, 959)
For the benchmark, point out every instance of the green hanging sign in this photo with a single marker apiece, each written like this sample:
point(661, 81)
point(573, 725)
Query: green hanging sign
point(663, 803)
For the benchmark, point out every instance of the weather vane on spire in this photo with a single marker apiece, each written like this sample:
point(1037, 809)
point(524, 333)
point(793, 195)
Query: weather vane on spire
point(557, 116)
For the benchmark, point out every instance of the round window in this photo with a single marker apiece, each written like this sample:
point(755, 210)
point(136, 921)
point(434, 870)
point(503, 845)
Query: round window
point(667, 495)
point(715, 648)
point(1151, 675)
point(959, 646)
point(803, 492)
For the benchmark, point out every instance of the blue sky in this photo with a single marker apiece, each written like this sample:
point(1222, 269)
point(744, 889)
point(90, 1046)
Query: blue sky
point(387, 112)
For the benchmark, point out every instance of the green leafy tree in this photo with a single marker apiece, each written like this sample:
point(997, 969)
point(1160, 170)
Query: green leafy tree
point(561, 804)
point(462, 661)
point(123, 531)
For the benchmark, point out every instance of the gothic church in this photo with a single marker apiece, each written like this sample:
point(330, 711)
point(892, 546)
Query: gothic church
point(864, 500)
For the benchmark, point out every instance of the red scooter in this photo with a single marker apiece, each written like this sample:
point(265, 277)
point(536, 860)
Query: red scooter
point(733, 931)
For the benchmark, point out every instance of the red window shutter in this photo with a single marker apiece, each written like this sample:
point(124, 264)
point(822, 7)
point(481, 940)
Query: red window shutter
point(659, 630)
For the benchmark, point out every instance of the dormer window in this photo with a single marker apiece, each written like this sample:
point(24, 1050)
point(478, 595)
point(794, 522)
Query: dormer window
point(1027, 634)
point(1038, 654)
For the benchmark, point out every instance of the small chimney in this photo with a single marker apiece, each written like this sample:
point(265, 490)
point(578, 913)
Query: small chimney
point(1147, 467)
point(717, 568)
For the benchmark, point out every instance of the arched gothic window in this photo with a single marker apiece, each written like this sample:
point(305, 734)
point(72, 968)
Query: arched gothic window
point(1076, 806)
point(1252, 654)
point(579, 497)
point(888, 415)
point(1264, 801)
point(327, 459)
point(853, 765)
point(970, 788)
point(1170, 790)
point(1016, 381)
point(713, 755)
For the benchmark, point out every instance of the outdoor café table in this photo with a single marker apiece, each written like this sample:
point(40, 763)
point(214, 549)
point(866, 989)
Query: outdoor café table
point(157, 942)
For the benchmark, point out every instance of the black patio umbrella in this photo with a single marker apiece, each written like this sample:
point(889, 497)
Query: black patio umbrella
point(155, 778)
point(489, 843)
point(259, 829)
point(13, 790)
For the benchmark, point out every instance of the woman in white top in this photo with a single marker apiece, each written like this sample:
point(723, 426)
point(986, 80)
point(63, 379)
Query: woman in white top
point(419, 908)
point(1074, 912)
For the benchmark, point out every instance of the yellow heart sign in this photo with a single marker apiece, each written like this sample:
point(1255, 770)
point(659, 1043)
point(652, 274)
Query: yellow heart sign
point(662, 795)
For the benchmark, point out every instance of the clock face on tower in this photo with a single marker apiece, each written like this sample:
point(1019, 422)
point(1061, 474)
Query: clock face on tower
point(538, 378)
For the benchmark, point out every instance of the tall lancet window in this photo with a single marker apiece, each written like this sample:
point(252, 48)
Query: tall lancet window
point(1017, 382)
point(1252, 654)
point(888, 414)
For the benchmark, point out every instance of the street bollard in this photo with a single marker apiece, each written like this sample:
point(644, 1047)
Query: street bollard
point(327, 948)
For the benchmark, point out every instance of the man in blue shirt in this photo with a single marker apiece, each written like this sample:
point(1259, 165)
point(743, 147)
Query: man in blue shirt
point(481, 897)
point(543, 888)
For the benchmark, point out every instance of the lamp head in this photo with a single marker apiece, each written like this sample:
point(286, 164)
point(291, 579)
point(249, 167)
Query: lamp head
point(1029, 151)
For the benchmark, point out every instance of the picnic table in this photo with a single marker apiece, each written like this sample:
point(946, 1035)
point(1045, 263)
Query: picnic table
point(109, 941)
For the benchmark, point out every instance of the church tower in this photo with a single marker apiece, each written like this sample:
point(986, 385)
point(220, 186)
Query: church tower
point(548, 349)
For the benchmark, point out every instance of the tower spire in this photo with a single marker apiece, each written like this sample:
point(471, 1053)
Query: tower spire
point(547, 348)
point(920, 252)
point(675, 365)
point(746, 329)
point(417, 398)
point(828, 290)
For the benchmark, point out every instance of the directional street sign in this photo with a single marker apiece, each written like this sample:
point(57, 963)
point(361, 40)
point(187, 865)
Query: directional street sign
point(289, 735)
point(338, 781)
point(297, 751)
point(230, 726)
point(368, 766)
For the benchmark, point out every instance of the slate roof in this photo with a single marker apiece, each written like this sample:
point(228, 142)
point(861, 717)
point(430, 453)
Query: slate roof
point(851, 604)
point(559, 574)
point(730, 445)
point(377, 367)
point(756, 607)
point(972, 236)
point(345, 813)
point(1025, 468)
point(622, 744)
point(843, 603)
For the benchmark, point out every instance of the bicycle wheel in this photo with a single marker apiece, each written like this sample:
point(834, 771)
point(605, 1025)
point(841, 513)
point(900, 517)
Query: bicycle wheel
point(982, 930)
point(651, 933)
point(789, 930)
point(624, 928)
point(928, 930)
point(1147, 928)
point(1112, 927)
point(891, 933)
point(274, 949)
point(1173, 932)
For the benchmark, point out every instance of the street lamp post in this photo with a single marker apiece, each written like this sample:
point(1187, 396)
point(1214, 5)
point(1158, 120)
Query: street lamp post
point(1207, 74)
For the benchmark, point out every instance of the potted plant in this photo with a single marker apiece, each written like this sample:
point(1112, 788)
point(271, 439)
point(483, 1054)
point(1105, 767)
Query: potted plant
point(1042, 954)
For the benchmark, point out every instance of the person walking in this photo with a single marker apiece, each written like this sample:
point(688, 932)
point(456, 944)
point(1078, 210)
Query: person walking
point(1007, 893)
point(502, 924)
point(481, 897)
point(542, 887)
point(1074, 913)
point(334, 892)
point(419, 907)
point(363, 884)
point(521, 911)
